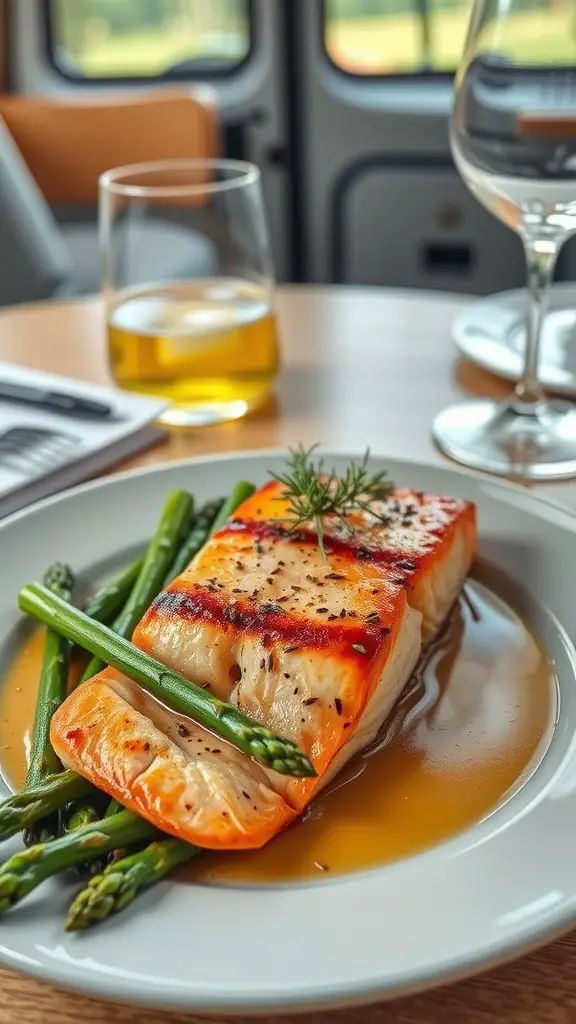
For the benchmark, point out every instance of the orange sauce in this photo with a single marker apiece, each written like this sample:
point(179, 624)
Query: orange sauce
point(472, 725)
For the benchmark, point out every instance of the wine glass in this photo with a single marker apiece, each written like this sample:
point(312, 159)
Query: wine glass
point(513, 137)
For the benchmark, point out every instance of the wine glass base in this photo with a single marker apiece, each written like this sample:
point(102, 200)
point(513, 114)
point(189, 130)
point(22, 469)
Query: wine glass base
point(497, 438)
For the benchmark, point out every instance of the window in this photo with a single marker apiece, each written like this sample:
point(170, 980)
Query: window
point(102, 39)
point(392, 37)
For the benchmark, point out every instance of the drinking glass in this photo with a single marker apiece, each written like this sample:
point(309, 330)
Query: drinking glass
point(189, 286)
point(513, 137)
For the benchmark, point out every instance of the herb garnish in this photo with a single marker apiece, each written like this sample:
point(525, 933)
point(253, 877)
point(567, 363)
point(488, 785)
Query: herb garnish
point(313, 493)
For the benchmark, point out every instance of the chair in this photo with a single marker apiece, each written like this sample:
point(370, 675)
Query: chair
point(67, 145)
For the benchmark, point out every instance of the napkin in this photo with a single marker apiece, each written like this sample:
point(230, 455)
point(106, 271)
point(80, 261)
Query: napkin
point(44, 452)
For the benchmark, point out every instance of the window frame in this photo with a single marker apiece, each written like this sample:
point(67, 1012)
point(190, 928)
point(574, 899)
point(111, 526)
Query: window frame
point(420, 77)
point(165, 79)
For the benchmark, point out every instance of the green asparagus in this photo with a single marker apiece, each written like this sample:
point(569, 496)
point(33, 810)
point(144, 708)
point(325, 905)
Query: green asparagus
point(23, 810)
point(211, 518)
point(51, 692)
point(242, 491)
point(224, 719)
point(53, 685)
point(171, 528)
point(196, 539)
point(113, 808)
point(82, 813)
point(121, 882)
point(24, 871)
point(112, 596)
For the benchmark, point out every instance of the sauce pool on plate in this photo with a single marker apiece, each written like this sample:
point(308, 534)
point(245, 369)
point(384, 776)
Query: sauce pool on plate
point(472, 725)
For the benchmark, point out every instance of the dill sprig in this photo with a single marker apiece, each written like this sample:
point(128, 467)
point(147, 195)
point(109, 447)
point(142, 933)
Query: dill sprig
point(313, 493)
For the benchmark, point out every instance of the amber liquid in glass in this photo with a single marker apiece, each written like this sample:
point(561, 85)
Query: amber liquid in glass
point(209, 347)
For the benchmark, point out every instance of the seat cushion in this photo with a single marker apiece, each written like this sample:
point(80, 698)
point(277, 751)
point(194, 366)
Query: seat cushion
point(151, 251)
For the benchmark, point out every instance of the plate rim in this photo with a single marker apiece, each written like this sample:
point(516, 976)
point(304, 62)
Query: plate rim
point(530, 937)
point(446, 466)
point(148, 996)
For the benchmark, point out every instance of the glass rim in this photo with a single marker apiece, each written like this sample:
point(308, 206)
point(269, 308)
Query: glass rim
point(111, 180)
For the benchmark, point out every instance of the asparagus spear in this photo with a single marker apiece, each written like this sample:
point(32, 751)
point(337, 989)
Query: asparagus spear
point(24, 871)
point(120, 883)
point(211, 518)
point(221, 718)
point(86, 812)
point(51, 692)
point(160, 554)
point(112, 596)
point(82, 813)
point(196, 539)
point(242, 491)
point(53, 685)
point(22, 810)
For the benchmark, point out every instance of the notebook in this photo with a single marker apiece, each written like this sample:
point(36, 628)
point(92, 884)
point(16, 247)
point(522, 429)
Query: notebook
point(43, 452)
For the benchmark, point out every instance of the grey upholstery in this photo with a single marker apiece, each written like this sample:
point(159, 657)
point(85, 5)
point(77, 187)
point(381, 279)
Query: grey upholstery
point(153, 251)
point(34, 260)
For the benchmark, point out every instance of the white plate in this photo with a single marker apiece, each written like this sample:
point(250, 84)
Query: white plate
point(493, 892)
point(491, 332)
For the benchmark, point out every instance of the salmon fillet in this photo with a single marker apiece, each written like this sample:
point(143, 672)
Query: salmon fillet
point(318, 650)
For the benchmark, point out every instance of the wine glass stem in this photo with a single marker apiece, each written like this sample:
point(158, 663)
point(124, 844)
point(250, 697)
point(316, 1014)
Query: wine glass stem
point(541, 259)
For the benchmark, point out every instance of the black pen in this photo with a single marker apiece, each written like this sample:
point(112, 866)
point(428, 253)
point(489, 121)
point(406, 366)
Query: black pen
point(55, 401)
